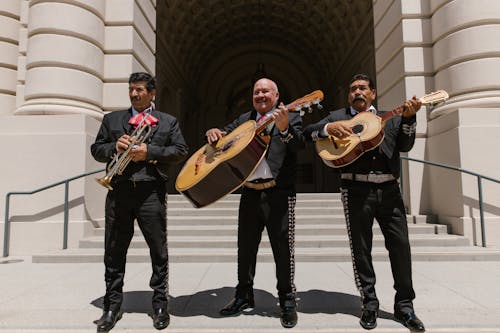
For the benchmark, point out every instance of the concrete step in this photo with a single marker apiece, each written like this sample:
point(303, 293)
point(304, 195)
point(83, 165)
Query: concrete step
point(233, 211)
point(301, 241)
point(327, 254)
point(233, 203)
point(236, 197)
point(210, 235)
point(330, 220)
point(230, 229)
point(232, 219)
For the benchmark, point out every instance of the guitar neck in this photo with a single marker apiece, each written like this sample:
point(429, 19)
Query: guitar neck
point(388, 115)
point(429, 99)
point(290, 108)
point(296, 106)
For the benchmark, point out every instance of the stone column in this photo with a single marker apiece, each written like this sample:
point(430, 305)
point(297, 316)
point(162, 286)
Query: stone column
point(466, 49)
point(466, 130)
point(10, 11)
point(423, 46)
point(64, 58)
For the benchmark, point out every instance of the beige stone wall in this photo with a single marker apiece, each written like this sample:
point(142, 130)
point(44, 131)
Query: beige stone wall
point(423, 46)
point(65, 64)
point(403, 44)
point(465, 132)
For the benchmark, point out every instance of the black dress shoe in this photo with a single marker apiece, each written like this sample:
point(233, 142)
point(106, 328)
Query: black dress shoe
point(236, 306)
point(368, 319)
point(161, 318)
point(108, 320)
point(289, 314)
point(410, 320)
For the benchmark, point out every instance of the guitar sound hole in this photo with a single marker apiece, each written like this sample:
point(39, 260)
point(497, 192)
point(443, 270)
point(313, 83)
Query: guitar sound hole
point(358, 129)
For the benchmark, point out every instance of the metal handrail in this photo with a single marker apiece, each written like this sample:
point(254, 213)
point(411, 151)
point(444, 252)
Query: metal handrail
point(479, 187)
point(6, 233)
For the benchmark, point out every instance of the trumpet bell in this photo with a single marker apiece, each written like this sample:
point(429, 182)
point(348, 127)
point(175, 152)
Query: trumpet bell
point(105, 181)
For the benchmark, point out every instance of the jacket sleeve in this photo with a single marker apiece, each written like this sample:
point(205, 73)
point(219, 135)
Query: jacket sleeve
point(406, 134)
point(169, 145)
point(104, 145)
point(294, 139)
point(237, 122)
point(313, 132)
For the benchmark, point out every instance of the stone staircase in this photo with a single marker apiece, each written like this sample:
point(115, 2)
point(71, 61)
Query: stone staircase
point(209, 235)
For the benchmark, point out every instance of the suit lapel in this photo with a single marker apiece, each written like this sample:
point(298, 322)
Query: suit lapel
point(126, 117)
point(155, 128)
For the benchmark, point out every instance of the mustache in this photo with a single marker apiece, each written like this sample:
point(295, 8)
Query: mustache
point(358, 98)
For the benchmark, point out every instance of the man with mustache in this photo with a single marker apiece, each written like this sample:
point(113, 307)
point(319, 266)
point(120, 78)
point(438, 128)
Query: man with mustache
point(268, 200)
point(139, 193)
point(370, 190)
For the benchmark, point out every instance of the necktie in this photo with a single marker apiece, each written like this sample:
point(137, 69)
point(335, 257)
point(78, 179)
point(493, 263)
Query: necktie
point(136, 120)
point(269, 126)
point(262, 119)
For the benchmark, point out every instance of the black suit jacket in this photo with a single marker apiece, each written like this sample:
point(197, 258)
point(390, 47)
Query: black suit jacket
point(166, 145)
point(282, 153)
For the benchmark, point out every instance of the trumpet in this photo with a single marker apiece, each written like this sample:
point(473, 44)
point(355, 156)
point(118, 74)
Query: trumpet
point(120, 161)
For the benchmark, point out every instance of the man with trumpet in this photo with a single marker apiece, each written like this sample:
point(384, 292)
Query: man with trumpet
point(138, 146)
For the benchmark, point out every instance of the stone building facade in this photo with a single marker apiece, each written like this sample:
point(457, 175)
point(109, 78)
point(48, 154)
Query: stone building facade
point(64, 64)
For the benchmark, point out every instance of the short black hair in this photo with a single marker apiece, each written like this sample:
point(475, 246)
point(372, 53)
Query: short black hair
point(363, 77)
point(142, 76)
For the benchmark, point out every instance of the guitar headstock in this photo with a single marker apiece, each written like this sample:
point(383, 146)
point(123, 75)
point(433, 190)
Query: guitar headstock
point(306, 102)
point(435, 97)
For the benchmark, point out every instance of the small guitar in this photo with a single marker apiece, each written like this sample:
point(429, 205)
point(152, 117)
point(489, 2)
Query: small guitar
point(218, 169)
point(368, 133)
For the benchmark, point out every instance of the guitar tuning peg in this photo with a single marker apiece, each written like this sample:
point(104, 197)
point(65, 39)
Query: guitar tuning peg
point(301, 112)
point(319, 106)
point(309, 109)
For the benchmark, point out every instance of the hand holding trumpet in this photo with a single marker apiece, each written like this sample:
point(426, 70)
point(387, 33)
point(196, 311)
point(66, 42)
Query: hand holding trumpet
point(137, 153)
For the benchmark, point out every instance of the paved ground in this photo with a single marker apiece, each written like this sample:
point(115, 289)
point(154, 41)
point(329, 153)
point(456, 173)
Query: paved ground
point(451, 297)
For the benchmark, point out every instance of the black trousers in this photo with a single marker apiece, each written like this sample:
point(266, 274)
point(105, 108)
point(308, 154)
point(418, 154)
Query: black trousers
point(146, 202)
point(364, 201)
point(274, 209)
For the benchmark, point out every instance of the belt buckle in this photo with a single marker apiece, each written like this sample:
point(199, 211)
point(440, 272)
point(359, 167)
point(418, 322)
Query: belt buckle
point(261, 186)
point(372, 178)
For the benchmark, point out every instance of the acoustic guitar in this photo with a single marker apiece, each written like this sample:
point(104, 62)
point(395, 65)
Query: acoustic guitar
point(368, 133)
point(220, 168)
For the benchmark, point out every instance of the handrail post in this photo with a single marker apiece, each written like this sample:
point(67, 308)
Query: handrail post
point(481, 211)
point(6, 230)
point(401, 178)
point(66, 219)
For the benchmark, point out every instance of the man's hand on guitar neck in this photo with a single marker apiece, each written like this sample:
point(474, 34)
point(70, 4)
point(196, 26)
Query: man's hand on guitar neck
point(411, 106)
point(214, 134)
point(280, 116)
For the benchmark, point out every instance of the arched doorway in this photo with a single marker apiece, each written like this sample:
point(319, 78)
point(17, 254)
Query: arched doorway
point(209, 53)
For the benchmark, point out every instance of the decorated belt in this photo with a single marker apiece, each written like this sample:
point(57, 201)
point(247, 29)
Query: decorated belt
point(257, 185)
point(370, 178)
